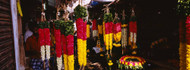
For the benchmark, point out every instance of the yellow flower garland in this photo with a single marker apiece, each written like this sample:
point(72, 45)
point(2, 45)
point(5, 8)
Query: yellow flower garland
point(88, 31)
point(100, 29)
point(65, 62)
point(188, 57)
point(80, 51)
point(84, 53)
point(70, 62)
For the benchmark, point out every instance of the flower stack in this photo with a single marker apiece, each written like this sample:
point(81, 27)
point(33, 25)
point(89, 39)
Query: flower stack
point(80, 12)
point(57, 34)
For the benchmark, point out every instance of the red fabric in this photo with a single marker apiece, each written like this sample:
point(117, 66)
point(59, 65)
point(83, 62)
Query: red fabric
point(47, 36)
point(64, 43)
point(117, 27)
point(107, 28)
point(41, 37)
point(70, 45)
point(94, 25)
point(58, 42)
point(84, 30)
point(79, 23)
point(110, 27)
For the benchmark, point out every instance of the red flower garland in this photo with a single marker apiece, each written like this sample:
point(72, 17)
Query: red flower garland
point(58, 42)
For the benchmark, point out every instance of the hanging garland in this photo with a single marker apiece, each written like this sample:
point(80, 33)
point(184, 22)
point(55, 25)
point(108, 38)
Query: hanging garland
point(133, 32)
point(47, 39)
point(57, 34)
point(67, 31)
point(41, 40)
point(88, 29)
point(117, 32)
point(94, 28)
point(108, 31)
point(80, 12)
point(124, 26)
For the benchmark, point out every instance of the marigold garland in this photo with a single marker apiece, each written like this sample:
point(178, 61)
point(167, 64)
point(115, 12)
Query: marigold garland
point(81, 41)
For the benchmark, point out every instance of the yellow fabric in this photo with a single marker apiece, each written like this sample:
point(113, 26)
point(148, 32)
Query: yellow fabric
point(88, 31)
point(70, 62)
point(19, 9)
point(65, 61)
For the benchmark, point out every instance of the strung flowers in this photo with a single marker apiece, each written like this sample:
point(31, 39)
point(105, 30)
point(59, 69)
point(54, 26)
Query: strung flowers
point(80, 12)
point(44, 39)
point(131, 62)
point(123, 32)
point(94, 28)
point(117, 31)
point(108, 32)
point(133, 31)
point(67, 32)
point(57, 34)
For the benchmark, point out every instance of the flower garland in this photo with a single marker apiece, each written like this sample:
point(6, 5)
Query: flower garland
point(188, 42)
point(117, 32)
point(41, 40)
point(44, 39)
point(124, 26)
point(94, 28)
point(67, 38)
point(108, 25)
point(47, 39)
point(133, 31)
point(80, 12)
point(131, 62)
point(88, 30)
point(57, 34)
